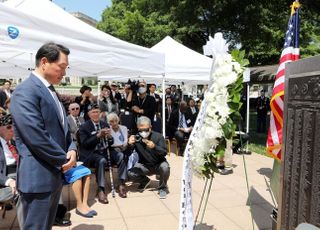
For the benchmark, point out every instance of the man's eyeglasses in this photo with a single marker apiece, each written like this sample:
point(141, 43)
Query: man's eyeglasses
point(75, 109)
point(143, 130)
point(9, 126)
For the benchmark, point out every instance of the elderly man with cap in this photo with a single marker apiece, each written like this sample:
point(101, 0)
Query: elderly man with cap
point(8, 160)
point(95, 138)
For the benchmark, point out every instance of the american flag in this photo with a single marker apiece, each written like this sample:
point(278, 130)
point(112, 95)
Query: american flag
point(289, 53)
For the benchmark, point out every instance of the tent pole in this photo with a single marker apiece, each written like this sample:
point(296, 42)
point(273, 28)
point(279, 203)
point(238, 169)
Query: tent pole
point(248, 113)
point(163, 107)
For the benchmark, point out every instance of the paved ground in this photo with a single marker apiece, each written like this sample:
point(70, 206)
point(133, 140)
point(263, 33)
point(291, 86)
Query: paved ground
point(228, 207)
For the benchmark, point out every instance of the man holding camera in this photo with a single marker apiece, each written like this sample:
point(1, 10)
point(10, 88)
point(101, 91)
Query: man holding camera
point(152, 150)
point(95, 138)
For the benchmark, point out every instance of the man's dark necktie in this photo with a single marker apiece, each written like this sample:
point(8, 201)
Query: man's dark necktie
point(57, 101)
point(181, 121)
point(77, 122)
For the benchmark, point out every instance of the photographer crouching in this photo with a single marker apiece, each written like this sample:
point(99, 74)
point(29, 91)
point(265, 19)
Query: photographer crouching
point(152, 150)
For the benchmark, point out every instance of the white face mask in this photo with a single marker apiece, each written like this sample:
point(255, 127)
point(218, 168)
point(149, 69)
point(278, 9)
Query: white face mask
point(142, 90)
point(144, 134)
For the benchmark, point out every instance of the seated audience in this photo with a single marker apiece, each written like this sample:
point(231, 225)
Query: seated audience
point(152, 150)
point(84, 101)
point(192, 111)
point(107, 102)
point(74, 120)
point(180, 125)
point(120, 137)
point(79, 177)
point(95, 138)
point(8, 160)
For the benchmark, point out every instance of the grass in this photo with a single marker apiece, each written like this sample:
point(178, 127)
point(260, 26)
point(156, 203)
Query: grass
point(258, 141)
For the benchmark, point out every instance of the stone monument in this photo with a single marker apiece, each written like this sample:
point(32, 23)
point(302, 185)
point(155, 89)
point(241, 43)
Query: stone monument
point(300, 169)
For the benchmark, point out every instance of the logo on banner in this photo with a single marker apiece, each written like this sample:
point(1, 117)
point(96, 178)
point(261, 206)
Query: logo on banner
point(13, 32)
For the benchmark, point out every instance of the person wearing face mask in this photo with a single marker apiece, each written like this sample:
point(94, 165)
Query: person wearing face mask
point(180, 124)
point(152, 151)
point(144, 105)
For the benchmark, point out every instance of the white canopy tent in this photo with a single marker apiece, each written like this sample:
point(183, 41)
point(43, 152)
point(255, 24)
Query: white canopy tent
point(93, 52)
point(181, 65)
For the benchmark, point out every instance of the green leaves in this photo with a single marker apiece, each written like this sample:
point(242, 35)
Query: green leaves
point(258, 27)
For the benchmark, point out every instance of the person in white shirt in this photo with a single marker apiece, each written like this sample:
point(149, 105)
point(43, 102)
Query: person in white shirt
point(120, 142)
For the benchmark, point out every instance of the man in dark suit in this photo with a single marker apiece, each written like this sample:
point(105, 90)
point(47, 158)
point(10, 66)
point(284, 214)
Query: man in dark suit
point(43, 141)
point(152, 93)
point(7, 161)
point(5, 93)
point(115, 92)
point(168, 110)
point(152, 152)
point(95, 138)
point(74, 120)
point(192, 111)
point(262, 106)
point(180, 125)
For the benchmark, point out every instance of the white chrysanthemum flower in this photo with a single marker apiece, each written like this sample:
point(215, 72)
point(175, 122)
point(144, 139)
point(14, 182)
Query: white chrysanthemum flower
point(227, 80)
point(237, 67)
point(216, 112)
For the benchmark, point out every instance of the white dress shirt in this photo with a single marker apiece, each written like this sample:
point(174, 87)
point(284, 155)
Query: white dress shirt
point(10, 160)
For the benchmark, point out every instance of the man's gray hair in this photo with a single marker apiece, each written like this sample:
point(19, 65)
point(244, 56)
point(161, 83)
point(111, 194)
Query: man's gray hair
point(112, 116)
point(143, 120)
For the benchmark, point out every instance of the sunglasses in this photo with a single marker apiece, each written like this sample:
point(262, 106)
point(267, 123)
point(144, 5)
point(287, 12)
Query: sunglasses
point(75, 109)
point(141, 130)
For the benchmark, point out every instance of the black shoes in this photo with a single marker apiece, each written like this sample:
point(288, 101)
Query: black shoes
point(61, 222)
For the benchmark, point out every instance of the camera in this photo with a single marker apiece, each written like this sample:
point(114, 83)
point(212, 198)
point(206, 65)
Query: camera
point(138, 138)
point(134, 85)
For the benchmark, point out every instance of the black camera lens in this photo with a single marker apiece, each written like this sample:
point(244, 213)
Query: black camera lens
point(138, 138)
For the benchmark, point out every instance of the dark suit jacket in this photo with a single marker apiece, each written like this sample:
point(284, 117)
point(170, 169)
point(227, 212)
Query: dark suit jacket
point(174, 122)
point(3, 98)
point(192, 116)
point(42, 140)
point(73, 126)
point(3, 168)
point(89, 140)
point(158, 103)
point(148, 105)
point(167, 112)
point(152, 157)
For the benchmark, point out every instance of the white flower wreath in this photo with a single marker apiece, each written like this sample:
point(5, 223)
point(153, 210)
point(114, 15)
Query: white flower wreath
point(216, 110)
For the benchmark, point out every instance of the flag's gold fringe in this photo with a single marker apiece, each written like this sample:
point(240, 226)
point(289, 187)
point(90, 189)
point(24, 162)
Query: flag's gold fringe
point(275, 112)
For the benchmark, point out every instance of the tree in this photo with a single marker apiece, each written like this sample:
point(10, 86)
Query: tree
point(258, 26)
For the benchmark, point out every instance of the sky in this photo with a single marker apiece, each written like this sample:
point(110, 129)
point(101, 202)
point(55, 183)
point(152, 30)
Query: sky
point(92, 8)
